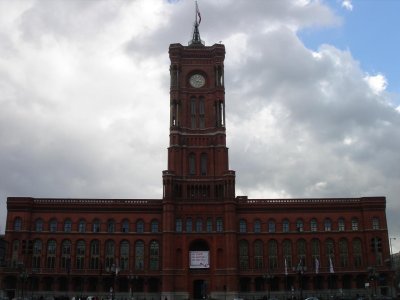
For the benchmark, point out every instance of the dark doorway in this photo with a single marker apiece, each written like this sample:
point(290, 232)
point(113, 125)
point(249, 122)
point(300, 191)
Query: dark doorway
point(199, 289)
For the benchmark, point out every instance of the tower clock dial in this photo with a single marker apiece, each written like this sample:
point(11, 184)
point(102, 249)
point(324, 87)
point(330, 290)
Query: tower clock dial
point(197, 80)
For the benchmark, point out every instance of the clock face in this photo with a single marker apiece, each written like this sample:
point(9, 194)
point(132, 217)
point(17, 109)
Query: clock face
point(197, 80)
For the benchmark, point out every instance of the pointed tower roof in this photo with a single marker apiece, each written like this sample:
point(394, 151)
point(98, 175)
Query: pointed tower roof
point(196, 40)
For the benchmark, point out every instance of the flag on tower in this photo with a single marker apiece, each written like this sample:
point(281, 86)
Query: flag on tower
point(198, 13)
point(331, 270)
point(286, 272)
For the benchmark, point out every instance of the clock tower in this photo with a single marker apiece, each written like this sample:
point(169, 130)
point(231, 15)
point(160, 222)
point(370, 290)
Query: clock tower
point(198, 165)
point(198, 184)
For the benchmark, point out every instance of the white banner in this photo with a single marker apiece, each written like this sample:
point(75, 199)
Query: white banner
point(199, 259)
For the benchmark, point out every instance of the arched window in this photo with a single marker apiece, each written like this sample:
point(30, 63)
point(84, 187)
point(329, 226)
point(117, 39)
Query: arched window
point(125, 226)
point(209, 225)
point(39, 225)
point(199, 225)
point(201, 112)
point(140, 226)
point(271, 226)
point(94, 254)
point(341, 225)
point(110, 226)
point(67, 225)
point(178, 225)
point(257, 226)
point(80, 254)
point(82, 226)
point(315, 254)
point(53, 225)
point(243, 255)
point(154, 255)
point(299, 225)
point(203, 164)
point(258, 255)
point(354, 224)
point(344, 253)
point(17, 224)
point(357, 253)
point(124, 255)
point(220, 225)
point(273, 255)
point(242, 226)
point(110, 254)
point(375, 223)
point(154, 226)
point(285, 226)
point(313, 225)
point(301, 251)
point(36, 254)
point(51, 254)
point(330, 252)
point(139, 256)
point(96, 225)
point(66, 255)
point(328, 224)
point(193, 112)
point(287, 253)
point(15, 252)
point(192, 164)
point(189, 225)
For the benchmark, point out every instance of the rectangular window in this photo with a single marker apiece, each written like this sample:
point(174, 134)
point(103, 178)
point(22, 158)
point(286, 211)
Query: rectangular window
point(285, 226)
point(193, 112)
point(220, 225)
point(341, 226)
point(80, 262)
point(201, 113)
point(199, 225)
point(178, 225)
point(53, 226)
point(375, 223)
point(209, 225)
point(271, 226)
point(354, 225)
point(189, 225)
point(357, 260)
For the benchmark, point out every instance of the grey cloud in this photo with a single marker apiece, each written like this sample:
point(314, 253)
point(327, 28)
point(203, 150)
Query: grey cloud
point(102, 131)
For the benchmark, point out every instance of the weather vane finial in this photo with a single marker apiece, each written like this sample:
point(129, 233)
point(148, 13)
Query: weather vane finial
point(196, 40)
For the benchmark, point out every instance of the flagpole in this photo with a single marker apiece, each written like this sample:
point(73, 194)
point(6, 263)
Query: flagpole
point(196, 9)
point(286, 279)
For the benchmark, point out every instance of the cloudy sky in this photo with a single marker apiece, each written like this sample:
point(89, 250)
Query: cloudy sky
point(312, 95)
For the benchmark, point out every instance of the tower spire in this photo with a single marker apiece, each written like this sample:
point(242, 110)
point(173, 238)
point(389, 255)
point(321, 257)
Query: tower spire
point(196, 40)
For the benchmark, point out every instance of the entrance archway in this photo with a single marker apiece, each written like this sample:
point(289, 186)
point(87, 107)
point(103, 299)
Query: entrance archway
point(199, 289)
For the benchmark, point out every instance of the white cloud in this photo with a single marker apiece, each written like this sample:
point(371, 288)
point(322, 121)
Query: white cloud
point(347, 5)
point(377, 83)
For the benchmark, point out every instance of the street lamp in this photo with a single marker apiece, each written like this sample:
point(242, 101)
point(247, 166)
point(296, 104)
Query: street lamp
point(113, 270)
point(132, 278)
point(300, 269)
point(268, 277)
point(373, 276)
point(23, 275)
point(391, 252)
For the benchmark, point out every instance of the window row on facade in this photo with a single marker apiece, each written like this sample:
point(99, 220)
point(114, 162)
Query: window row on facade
point(190, 224)
point(270, 254)
point(199, 225)
point(95, 226)
point(316, 255)
point(67, 256)
point(299, 226)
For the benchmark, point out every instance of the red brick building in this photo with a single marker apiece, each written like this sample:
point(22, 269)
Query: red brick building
point(199, 240)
